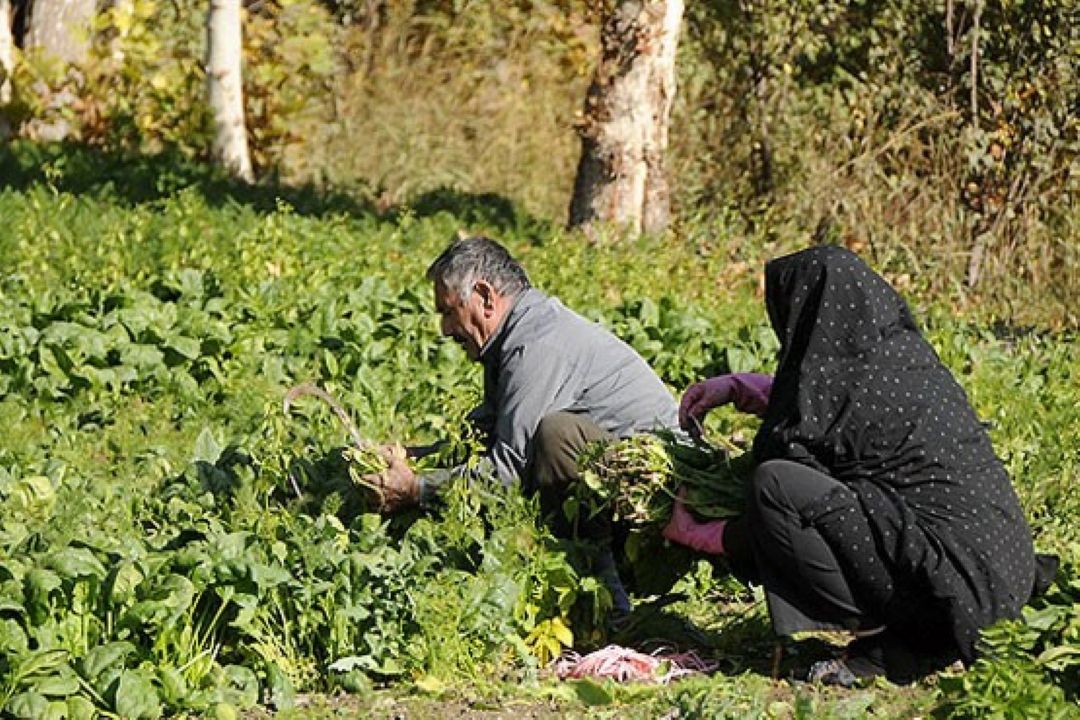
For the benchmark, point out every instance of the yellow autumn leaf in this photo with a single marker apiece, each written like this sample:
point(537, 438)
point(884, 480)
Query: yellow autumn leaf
point(562, 632)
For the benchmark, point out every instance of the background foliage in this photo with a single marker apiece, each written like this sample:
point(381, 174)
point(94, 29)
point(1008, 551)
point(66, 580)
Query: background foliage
point(938, 137)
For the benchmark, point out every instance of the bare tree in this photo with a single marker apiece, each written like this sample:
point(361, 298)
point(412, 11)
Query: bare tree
point(621, 177)
point(7, 52)
point(225, 87)
point(60, 28)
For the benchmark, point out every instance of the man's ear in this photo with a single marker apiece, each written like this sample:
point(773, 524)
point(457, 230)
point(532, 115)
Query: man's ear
point(487, 293)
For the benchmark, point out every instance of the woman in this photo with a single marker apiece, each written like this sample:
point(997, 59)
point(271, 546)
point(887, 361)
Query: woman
point(878, 504)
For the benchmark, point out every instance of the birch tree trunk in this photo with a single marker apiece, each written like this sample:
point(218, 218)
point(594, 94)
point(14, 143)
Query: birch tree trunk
point(7, 52)
point(61, 28)
point(225, 87)
point(621, 177)
point(754, 14)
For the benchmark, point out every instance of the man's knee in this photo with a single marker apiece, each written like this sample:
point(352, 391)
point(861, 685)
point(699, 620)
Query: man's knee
point(554, 432)
point(565, 435)
point(555, 446)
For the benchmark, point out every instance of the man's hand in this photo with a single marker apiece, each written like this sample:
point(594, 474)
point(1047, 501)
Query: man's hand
point(397, 487)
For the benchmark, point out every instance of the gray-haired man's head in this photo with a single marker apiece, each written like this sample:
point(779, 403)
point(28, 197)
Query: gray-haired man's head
point(478, 258)
point(476, 284)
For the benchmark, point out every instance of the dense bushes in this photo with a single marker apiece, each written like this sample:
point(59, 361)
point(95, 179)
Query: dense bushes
point(939, 138)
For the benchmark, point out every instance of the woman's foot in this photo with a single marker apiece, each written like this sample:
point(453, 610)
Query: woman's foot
point(881, 654)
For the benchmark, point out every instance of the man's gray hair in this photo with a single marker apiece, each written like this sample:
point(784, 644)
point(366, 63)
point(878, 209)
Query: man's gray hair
point(478, 258)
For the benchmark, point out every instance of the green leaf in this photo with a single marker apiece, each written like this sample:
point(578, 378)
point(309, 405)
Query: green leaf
point(166, 601)
point(47, 360)
point(144, 357)
point(243, 687)
point(1060, 657)
point(105, 657)
point(352, 662)
point(282, 695)
point(79, 708)
point(224, 711)
point(28, 705)
point(7, 605)
point(125, 579)
point(390, 667)
point(76, 562)
point(740, 360)
point(173, 685)
point(136, 696)
point(43, 662)
point(13, 640)
point(430, 685)
point(592, 693)
point(31, 493)
point(268, 576)
point(187, 347)
point(207, 448)
point(562, 632)
point(62, 684)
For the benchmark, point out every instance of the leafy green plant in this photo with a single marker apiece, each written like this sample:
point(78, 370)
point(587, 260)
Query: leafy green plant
point(1030, 665)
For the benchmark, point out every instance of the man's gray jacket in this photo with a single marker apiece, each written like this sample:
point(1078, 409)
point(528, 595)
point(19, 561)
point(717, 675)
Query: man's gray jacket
point(545, 358)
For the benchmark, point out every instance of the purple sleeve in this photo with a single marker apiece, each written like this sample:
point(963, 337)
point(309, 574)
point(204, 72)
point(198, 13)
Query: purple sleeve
point(750, 392)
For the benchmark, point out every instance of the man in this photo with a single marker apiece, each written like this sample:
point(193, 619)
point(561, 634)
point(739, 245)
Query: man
point(554, 382)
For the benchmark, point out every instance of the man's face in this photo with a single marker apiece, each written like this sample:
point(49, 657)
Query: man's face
point(467, 322)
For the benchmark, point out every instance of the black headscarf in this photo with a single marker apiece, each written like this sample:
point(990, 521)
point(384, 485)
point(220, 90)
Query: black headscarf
point(860, 395)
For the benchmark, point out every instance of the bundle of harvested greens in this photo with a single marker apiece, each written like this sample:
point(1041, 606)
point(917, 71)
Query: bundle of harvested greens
point(365, 461)
point(366, 467)
point(357, 470)
point(639, 477)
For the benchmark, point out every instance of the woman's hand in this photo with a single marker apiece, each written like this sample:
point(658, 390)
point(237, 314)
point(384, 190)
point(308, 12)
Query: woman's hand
point(700, 398)
point(749, 392)
point(683, 529)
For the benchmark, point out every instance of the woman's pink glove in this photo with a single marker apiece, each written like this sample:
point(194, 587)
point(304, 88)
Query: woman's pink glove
point(683, 529)
point(749, 392)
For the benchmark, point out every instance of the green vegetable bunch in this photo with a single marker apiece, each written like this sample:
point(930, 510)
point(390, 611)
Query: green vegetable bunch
point(366, 462)
point(639, 477)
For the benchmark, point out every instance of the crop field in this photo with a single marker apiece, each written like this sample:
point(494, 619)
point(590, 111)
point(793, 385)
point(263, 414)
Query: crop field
point(172, 543)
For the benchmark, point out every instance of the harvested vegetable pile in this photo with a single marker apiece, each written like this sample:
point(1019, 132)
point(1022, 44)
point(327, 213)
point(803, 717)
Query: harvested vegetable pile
point(639, 477)
point(627, 665)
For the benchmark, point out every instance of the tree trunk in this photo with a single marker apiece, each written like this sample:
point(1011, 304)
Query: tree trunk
point(975, 63)
point(757, 102)
point(621, 177)
point(7, 52)
point(61, 28)
point(225, 88)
